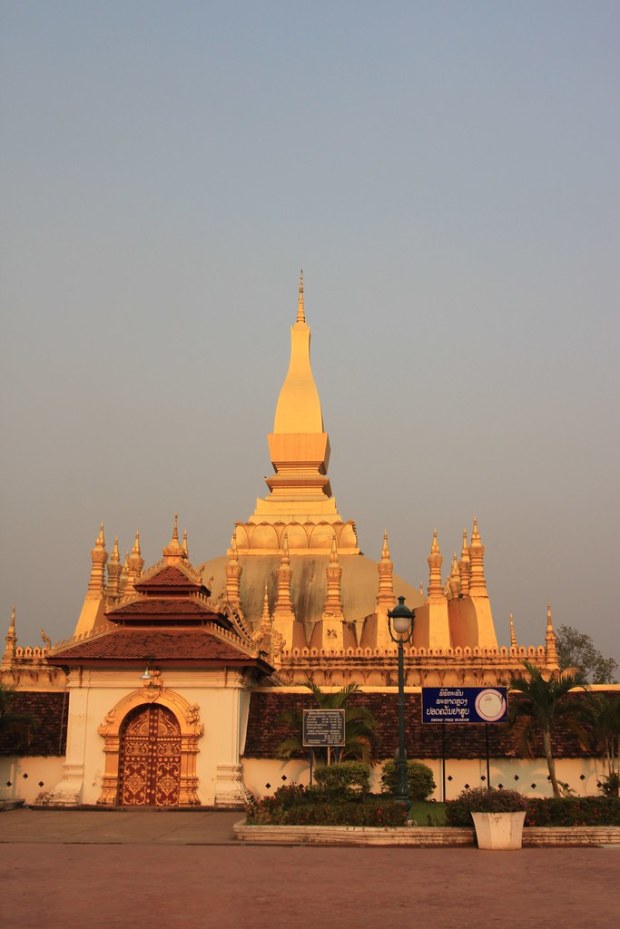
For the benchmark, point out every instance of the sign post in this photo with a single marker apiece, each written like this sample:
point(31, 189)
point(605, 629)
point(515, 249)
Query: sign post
point(323, 729)
point(447, 705)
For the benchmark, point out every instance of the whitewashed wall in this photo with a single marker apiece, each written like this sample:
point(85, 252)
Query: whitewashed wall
point(528, 776)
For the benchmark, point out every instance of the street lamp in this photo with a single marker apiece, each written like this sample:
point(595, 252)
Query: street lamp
point(400, 625)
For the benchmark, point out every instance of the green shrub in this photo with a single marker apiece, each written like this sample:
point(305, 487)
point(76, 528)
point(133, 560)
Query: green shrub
point(573, 811)
point(482, 800)
point(419, 777)
point(344, 778)
point(610, 784)
point(311, 806)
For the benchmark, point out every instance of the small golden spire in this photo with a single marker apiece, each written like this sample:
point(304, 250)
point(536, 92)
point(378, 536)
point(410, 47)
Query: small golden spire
point(265, 617)
point(513, 637)
point(385, 550)
point(11, 640)
point(465, 546)
point(174, 551)
point(114, 571)
point(185, 546)
point(550, 641)
point(136, 561)
point(99, 557)
point(435, 561)
point(301, 314)
point(385, 592)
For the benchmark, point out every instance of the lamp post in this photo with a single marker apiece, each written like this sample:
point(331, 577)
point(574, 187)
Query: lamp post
point(400, 625)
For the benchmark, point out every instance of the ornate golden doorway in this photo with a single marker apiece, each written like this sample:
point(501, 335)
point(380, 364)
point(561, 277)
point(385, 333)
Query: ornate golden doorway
point(150, 758)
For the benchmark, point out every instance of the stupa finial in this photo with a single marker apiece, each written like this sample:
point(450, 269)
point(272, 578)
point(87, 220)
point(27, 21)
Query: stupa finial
point(385, 549)
point(301, 313)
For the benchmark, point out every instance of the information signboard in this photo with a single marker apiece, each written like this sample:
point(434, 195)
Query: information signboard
point(323, 728)
point(464, 705)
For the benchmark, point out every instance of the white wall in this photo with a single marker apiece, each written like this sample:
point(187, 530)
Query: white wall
point(25, 778)
point(257, 773)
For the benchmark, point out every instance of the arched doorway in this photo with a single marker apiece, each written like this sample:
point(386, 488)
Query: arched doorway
point(150, 757)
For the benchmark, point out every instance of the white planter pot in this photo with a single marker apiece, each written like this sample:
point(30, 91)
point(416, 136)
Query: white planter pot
point(499, 831)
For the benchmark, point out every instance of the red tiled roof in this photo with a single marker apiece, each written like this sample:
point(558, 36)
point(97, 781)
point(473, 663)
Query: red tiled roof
point(126, 644)
point(170, 607)
point(168, 576)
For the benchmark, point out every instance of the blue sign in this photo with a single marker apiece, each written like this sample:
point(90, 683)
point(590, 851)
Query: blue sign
point(464, 705)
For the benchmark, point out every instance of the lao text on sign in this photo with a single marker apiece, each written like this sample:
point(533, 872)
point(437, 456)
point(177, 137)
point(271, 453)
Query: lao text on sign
point(464, 705)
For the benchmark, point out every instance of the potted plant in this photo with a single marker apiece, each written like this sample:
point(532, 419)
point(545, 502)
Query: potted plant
point(498, 816)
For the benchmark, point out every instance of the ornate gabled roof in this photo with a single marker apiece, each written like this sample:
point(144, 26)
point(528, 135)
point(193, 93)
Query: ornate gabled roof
point(162, 576)
point(191, 609)
point(205, 645)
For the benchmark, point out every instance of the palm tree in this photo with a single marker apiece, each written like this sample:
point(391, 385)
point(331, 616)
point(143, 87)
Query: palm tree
point(543, 704)
point(359, 724)
point(602, 715)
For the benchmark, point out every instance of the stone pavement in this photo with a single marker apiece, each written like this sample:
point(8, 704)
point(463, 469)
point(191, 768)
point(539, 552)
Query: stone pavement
point(119, 827)
point(107, 870)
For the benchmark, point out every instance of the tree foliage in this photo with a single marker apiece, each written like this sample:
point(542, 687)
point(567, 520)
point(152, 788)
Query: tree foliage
point(576, 650)
point(601, 714)
point(542, 705)
point(419, 778)
point(360, 726)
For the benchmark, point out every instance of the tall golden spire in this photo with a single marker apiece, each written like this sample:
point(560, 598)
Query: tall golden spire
point(385, 593)
point(299, 407)
point(300, 491)
point(464, 566)
point(435, 561)
point(477, 583)
point(92, 613)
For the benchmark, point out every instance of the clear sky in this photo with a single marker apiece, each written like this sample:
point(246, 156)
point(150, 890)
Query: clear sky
point(447, 176)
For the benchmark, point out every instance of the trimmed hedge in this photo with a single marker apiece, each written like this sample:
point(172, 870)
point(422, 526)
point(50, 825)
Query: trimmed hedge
point(344, 778)
point(548, 811)
point(295, 805)
point(573, 811)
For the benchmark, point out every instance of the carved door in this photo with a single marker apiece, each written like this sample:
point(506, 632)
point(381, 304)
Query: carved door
point(150, 758)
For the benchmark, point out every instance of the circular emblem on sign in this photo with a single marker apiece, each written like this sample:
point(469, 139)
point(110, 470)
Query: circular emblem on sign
point(490, 705)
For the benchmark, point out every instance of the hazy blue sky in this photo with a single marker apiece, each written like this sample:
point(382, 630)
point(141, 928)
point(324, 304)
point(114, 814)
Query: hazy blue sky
point(446, 174)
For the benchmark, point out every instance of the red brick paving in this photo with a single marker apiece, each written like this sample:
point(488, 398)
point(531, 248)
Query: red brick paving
point(135, 886)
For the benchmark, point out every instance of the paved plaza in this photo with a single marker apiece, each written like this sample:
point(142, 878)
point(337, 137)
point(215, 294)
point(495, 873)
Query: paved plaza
point(176, 870)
